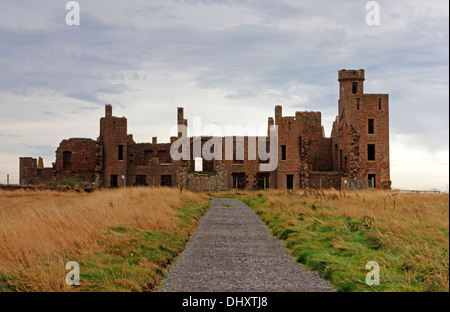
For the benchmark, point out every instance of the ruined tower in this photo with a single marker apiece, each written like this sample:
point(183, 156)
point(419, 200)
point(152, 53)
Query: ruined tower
point(361, 130)
point(113, 134)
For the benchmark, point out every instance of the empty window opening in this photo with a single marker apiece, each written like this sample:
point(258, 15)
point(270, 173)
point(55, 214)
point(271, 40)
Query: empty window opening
point(357, 104)
point(372, 179)
point(239, 180)
point(120, 152)
point(283, 152)
point(208, 165)
point(379, 103)
point(340, 159)
point(198, 164)
point(371, 152)
point(114, 180)
point(141, 180)
point(148, 154)
point(166, 180)
point(335, 155)
point(67, 160)
point(290, 181)
point(371, 126)
point(262, 180)
point(354, 87)
point(164, 157)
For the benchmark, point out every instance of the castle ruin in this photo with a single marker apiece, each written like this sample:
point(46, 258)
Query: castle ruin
point(358, 149)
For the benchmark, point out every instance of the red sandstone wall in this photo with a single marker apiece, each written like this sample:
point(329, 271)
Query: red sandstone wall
point(82, 158)
point(152, 161)
point(113, 132)
point(307, 150)
point(29, 174)
point(27, 171)
point(354, 112)
point(325, 180)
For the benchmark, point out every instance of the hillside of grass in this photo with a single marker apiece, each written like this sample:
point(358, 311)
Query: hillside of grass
point(123, 239)
point(338, 234)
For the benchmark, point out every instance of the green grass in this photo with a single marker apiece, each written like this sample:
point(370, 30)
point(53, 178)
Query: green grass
point(338, 247)
point(73, 182)
point(136, 260)
point(129, 259)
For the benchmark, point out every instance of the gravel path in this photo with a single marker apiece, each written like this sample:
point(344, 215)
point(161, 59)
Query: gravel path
point(233, 250)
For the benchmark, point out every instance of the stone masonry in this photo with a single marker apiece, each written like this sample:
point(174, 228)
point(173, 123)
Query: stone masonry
point(357, 149)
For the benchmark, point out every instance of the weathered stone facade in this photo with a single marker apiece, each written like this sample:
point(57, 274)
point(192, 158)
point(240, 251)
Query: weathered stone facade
point(358, 149)
point(360, 133)
point(74, 158)
point(194, 181)
point(31, 174)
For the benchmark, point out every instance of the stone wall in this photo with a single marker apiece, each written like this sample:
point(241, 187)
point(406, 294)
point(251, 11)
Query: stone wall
point(351, 136)
point(74, 158)
point(197, 181)
point(324, 180)
point(30, 174)
point(115, 160)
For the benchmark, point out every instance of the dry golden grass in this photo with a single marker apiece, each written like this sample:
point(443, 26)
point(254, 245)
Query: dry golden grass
point(39, 230)
point(413, 228)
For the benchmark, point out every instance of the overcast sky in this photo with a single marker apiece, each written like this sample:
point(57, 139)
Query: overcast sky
point(229, 62)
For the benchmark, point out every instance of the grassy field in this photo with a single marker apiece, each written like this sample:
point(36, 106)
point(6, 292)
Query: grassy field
point(337, 234)
point(123, 239)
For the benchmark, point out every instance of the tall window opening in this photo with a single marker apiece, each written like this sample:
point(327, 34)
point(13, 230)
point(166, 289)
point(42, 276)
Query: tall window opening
point(371, 126)
point(114, 180)
point(290, 181)
point(283, 152)
point(120, 152)
point(371, 152)
point(371, 178)
point(67, 160)
point(336, 155)
point(354, 87)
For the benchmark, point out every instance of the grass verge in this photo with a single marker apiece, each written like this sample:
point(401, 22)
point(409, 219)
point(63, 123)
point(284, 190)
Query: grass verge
point(338, 234)
point(122, 239)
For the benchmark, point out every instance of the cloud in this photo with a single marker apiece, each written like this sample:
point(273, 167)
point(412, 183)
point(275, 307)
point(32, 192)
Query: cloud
point(216, 58)
point(8, 135)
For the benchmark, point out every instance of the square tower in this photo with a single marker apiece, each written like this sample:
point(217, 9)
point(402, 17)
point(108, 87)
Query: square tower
point(113, 135)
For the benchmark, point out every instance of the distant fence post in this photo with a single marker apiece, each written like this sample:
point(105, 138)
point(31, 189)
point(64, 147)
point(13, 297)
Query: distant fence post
point(343, 184)
point(7, 179)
